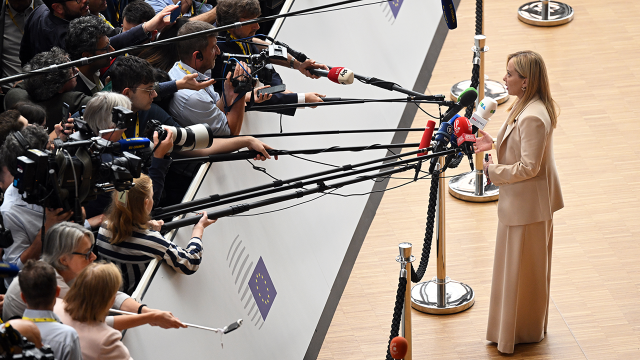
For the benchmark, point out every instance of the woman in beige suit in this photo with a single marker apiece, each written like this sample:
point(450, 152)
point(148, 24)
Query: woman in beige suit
point(85, 308)
point(529, 195)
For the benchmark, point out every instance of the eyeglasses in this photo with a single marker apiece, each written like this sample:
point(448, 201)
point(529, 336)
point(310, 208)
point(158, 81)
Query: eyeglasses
point(106, 48)
point(150, 91)
point(87, 255)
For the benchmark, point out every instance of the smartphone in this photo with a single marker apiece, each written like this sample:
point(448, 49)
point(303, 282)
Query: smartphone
point(216, 79)
point(175, 14)
point(65, 113)
point(273, 89)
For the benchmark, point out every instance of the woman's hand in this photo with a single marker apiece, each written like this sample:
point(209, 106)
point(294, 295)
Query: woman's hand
point(155, 225)
point(165, 320)
point(484, 143)
point(485, 167)
point(204, 220)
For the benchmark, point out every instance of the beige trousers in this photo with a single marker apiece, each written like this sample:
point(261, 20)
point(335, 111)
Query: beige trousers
point(519, 305)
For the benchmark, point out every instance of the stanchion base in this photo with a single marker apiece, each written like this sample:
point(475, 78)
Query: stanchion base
point(559, 13)
point(459, 297)
point(492, 89)
point(463, 187)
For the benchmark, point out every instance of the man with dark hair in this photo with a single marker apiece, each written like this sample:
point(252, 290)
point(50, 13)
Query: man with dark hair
point(50, 90)
point(135, 13)
point(95, 9)
point(47, 27)
point(133, 78)
point(39, 291)
point(13, 14)
point(232, 11)
point(197, 55)
point(88, 37)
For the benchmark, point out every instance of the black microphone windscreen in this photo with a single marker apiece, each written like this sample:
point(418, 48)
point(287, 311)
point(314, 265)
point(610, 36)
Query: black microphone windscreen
point(468, 97)
point(449, 12)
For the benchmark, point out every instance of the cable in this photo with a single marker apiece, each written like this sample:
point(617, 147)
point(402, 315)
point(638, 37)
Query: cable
point(288, 207)
point(262, 170)
point(424, 111)
point(344, 8)
point(314, 161)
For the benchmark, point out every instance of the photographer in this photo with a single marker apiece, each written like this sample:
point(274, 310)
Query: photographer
point(197, 56)
point(98, 116)
point(232, 11)
point(25, 220)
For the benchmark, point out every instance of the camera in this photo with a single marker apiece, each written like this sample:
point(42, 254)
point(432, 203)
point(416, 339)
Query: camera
point(74, 173)
point(121, 116)
point(259, 64)
point(10, 339)
point(194, 137)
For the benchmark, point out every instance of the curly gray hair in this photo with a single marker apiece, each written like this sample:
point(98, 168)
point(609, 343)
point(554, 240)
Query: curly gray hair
point(98, 111)
point(84, 34)
point(43, 87)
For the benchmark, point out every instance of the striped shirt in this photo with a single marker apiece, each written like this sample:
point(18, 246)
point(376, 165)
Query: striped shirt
point(134, 254)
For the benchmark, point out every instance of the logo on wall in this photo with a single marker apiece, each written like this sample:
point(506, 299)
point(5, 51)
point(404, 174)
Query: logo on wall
point(258, 283)
point(262, 288)
point(393, 9)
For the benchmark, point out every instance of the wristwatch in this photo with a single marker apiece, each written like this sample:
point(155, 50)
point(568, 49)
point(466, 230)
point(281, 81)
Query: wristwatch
point(291, 62)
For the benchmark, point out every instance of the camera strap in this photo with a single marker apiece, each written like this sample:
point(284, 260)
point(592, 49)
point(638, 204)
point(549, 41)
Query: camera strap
point(137, 127)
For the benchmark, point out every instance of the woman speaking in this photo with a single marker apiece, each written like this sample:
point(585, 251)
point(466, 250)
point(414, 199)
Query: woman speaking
point(529, 195)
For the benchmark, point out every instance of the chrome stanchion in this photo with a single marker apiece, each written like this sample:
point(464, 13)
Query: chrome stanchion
point(472, 186)
point(441, 295)
point(405, 259)
point(545, 13)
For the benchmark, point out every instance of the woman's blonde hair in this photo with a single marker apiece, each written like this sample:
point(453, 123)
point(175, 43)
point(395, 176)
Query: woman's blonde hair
point(128, 210)
point(529, 65)
point(92, 292)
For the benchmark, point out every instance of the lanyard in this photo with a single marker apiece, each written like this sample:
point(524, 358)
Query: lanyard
point(137, 127)
point(183, 69)
point(104, 19)
point(247, 52)
point(189, 73)
point(37, 320)
point(12, 19)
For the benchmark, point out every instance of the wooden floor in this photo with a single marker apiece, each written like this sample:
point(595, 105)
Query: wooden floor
point(594, 66)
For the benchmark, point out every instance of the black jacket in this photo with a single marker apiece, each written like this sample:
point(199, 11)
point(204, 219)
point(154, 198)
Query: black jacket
point(43, 30)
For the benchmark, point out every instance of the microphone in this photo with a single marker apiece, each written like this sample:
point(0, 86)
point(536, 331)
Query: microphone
point(134, 143)
point(338, 75)
point(301, 57)
point(443, 135)
point(465, 99)
point(426, 136)
point(486, 108)
point(449, 12)
point(463, 131)
point(398, 347)
point(8, 270)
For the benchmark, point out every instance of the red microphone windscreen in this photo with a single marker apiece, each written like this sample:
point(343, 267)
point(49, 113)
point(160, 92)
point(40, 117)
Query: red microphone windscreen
point(334, 73)
point(426, 136)
point(462, 125)
point(340, 75)
point(398, 347)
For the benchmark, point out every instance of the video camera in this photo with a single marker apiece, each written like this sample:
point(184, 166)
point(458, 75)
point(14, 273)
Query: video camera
point(10, 339)
point(74, 172)
point(259, 64)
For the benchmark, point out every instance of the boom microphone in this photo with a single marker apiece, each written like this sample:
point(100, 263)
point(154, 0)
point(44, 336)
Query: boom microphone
point(426, 136)
point(449, 12)
point(338, 75)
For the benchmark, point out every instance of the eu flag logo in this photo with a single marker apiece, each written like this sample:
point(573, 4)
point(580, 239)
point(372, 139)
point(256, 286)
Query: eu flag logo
point(395, 6)
point(262, 288)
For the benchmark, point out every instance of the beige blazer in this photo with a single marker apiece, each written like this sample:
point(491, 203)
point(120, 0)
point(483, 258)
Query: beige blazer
point(98, 341)
point(526, 170)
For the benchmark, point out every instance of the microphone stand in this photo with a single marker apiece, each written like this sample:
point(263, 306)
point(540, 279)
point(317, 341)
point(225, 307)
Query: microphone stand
point(250, 154)
point(349, 102)
point(193, 205)
point(240, 208)
point(218, 200)
point(326, 132)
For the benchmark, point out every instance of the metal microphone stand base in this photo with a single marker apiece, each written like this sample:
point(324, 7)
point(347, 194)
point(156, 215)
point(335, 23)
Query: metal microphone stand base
point(545, 13)
point(441, 297)
point(463, 187)
point(492, 89)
